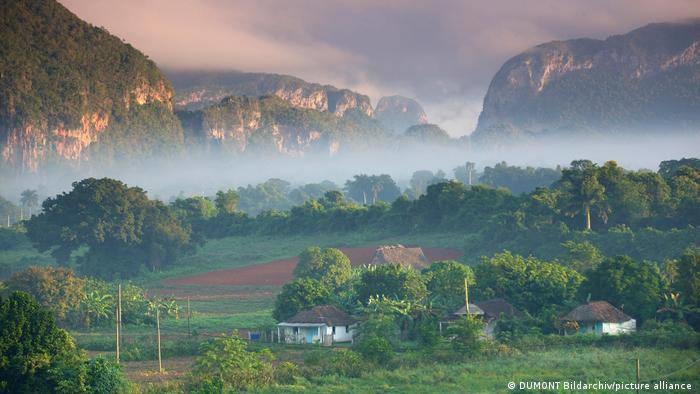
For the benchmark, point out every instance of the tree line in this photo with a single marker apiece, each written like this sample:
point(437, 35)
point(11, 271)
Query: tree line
point(643, 214)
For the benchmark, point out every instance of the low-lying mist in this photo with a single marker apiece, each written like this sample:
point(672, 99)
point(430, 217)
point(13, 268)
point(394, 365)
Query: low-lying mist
point(207, 174)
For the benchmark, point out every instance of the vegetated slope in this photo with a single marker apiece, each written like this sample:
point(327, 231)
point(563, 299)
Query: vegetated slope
point(269, 124)
point(645, 80)
point(199, 89)
point(72, 92)
point(225, 109)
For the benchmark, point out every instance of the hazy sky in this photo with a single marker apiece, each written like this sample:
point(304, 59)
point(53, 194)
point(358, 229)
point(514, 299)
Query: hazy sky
point(443, 53)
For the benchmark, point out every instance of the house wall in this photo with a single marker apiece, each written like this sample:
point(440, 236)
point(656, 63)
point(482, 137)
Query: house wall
point(620, 328)
point(342, 334)
point(303, 334)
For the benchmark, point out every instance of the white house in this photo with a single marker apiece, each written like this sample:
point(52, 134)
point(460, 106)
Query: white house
point(321, 324)
point(598, 317)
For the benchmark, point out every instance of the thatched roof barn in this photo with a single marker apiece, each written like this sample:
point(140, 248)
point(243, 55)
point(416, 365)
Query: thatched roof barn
point(399, 254)
point(599, 317)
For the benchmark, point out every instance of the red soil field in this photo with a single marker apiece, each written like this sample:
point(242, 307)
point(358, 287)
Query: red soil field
point(279, 272)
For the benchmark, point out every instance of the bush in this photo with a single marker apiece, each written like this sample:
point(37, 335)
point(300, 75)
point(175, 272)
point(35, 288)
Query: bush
point(375, 349)
point(286, 372)
point(227, 365)
point(346, 363)
point(427, 333)
point(467, 336)
point(105, 376)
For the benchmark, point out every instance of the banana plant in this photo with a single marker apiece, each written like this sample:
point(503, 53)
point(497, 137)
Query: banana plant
point(675, 308)
point(96, 306)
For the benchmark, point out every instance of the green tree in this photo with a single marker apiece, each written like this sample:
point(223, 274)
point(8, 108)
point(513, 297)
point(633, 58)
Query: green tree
point(56, 289)
point(298, 295)
point(519, 180)
point(119, 226)
point(226, 365)
point(445, 282)
point(376, 338)
point(583, 192)
point(195, 212)
point(226, 201)
point(329, 266)
point(29, 199)
point(35, 355)
point(467, 336)
point(369, 189)
point(392, 281)
point(527, 283)
point(104, 376)
point(193, 209)
point(669, 168)
point(582, 256)
point(420, 180)
point(687, 281)
point(271, 194)
point(636, 287)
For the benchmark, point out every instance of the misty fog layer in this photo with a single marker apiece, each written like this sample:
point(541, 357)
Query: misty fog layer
point(164, 179)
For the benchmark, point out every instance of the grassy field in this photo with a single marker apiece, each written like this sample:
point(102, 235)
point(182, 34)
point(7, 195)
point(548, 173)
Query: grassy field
point(492, 375)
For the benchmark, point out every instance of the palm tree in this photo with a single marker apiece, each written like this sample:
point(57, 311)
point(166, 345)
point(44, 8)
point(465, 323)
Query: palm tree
point(29, 198)
point(470, 166)
point(584, 192)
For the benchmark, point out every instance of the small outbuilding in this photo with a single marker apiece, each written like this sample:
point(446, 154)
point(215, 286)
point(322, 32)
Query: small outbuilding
point(489, 311)
point(598, 317)
point(494, 309)
point(322, 324)
point(399, 254)
point(461, 312)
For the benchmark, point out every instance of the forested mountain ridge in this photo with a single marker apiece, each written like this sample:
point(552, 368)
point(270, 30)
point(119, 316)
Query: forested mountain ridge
point(199, 89)
point(70, 91)
point(645, 80)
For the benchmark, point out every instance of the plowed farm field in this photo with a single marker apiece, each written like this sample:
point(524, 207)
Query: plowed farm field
point(279, 272)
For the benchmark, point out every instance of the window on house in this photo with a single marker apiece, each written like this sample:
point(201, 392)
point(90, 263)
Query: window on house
point(333, 330)
point(347, 328)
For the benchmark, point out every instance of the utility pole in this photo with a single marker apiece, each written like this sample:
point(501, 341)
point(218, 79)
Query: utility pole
point(466, 295)
point(116, 318)
point(119, 305)
point(21, 213)
point(160, 362)
point(8, 221)
point(189, 331)
point(637, 375)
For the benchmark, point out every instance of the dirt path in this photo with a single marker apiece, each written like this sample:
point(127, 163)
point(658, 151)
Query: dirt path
point(279, 272)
